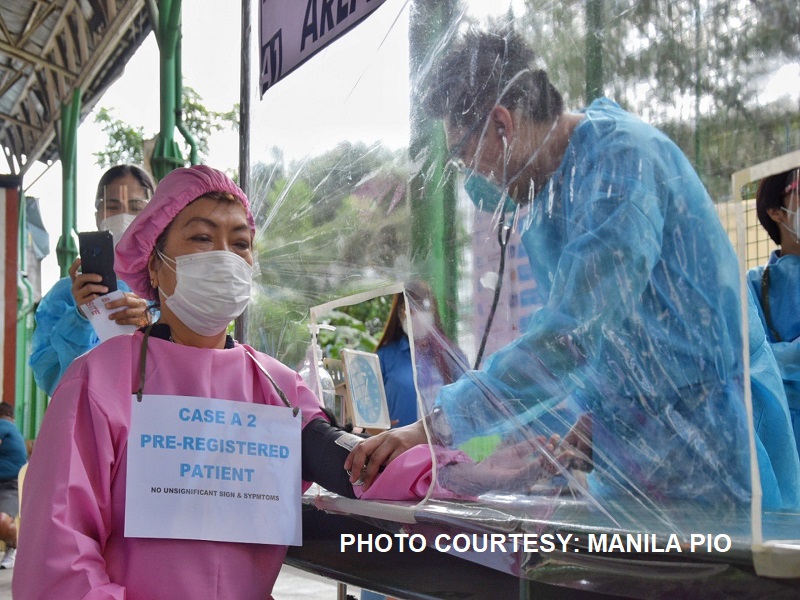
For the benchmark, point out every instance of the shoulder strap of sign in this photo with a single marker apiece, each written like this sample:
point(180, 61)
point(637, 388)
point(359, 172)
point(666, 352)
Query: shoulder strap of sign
point(143, 358)
point(142, 361)
point(275, 385)
point(765, 304)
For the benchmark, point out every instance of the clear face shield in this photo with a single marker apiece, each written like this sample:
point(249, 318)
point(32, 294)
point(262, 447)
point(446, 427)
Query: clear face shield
point(118, 207)
point(791, 204)
point(122, 198)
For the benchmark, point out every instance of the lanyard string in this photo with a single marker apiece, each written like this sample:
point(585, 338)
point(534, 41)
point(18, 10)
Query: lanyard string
point(143, 362)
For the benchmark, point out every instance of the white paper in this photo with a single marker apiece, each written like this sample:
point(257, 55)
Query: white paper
point(97, 313)
point(206, 469)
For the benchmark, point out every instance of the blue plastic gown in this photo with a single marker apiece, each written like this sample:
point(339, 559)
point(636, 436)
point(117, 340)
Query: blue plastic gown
point(398, 375)
point(398, 381)
point(62, 334)
point(642, 323)
point(784, 303)
point(778, 462)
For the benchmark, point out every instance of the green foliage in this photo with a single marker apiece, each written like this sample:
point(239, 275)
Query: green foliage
point(358, 327)
point(319, 222)
point(693, 68)
point(126, 142)
point(203, 122)
point(278, 328)
point(333, 225)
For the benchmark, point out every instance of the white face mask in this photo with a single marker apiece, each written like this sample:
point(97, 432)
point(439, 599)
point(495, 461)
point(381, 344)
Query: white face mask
point(404, 324)
point(421, 321)
point(211, 289)
point(117, 224)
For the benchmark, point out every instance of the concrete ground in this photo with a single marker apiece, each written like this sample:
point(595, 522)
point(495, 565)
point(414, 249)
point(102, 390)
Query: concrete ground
point(292, 584)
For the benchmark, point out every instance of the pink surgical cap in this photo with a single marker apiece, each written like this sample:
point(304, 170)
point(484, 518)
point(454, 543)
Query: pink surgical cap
point(174, 192)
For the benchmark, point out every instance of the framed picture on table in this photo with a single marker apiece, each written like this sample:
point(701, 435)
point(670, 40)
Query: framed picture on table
point(367, 398)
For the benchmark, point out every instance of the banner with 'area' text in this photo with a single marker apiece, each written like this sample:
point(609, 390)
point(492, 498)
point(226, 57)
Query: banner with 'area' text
point(292, 31)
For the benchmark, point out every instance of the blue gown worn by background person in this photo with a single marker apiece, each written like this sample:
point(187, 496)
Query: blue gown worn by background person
point(398, 376)
point(778, 461)
point(642, 324)
point(13, 453)
point(61, 335)
point(784, 307)
point(398, 381)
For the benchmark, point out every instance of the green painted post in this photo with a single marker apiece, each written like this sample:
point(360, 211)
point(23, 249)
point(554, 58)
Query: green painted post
point(432, 192)
point(24, 388)
point(70, 115)
point(594, 50)
point(187, 135)
point(166, 154)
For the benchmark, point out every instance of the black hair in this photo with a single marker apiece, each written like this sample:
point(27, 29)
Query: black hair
point(770, 196)
point(6, 411)
point(484, 69)
point(420, 294)
point(117, 171)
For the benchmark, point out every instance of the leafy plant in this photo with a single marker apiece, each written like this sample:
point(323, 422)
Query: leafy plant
point(126, 143)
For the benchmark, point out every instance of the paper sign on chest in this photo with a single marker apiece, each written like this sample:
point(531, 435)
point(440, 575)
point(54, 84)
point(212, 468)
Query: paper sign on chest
point(208, 469)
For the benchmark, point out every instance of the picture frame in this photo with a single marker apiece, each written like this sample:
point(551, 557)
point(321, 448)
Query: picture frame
point(367, 398)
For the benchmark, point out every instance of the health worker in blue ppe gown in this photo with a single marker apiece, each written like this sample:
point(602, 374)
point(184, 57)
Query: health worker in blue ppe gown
point(62, 331)
point(642, 320)
point(778, 461)
point(776, 285)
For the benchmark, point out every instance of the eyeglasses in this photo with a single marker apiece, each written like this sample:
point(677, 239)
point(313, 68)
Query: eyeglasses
point(454, 157)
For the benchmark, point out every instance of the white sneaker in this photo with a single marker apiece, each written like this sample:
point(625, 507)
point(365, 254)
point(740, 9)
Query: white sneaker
point(8, 559)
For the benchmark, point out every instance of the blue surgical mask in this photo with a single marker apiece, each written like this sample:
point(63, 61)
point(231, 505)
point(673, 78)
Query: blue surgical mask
point(485, 194)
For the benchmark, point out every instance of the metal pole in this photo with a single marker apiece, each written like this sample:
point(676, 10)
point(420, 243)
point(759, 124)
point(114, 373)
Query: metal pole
point(240, 327)
point(341, 591)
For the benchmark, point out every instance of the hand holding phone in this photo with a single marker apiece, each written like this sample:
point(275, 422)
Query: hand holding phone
point(97, 257)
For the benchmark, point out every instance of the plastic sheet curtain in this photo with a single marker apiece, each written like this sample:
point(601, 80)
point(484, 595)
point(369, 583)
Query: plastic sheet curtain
point(613, 394)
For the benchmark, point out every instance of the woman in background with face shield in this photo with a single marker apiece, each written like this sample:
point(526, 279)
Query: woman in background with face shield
point(62, 331)
point(776, 285)
point(439, 361)
point(191, 251)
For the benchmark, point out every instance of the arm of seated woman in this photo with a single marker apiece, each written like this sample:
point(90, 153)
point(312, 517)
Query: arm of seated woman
point(325, 448)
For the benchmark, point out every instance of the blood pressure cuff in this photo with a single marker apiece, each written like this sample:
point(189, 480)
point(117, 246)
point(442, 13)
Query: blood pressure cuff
point(324, 449)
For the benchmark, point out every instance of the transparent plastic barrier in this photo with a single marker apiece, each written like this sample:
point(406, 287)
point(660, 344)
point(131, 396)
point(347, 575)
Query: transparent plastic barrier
point(613, 382)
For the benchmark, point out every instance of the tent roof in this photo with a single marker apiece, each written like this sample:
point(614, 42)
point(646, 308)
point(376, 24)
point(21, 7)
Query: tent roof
point(49, 48)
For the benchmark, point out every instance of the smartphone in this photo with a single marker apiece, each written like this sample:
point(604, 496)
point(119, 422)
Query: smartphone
point(97, 256)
